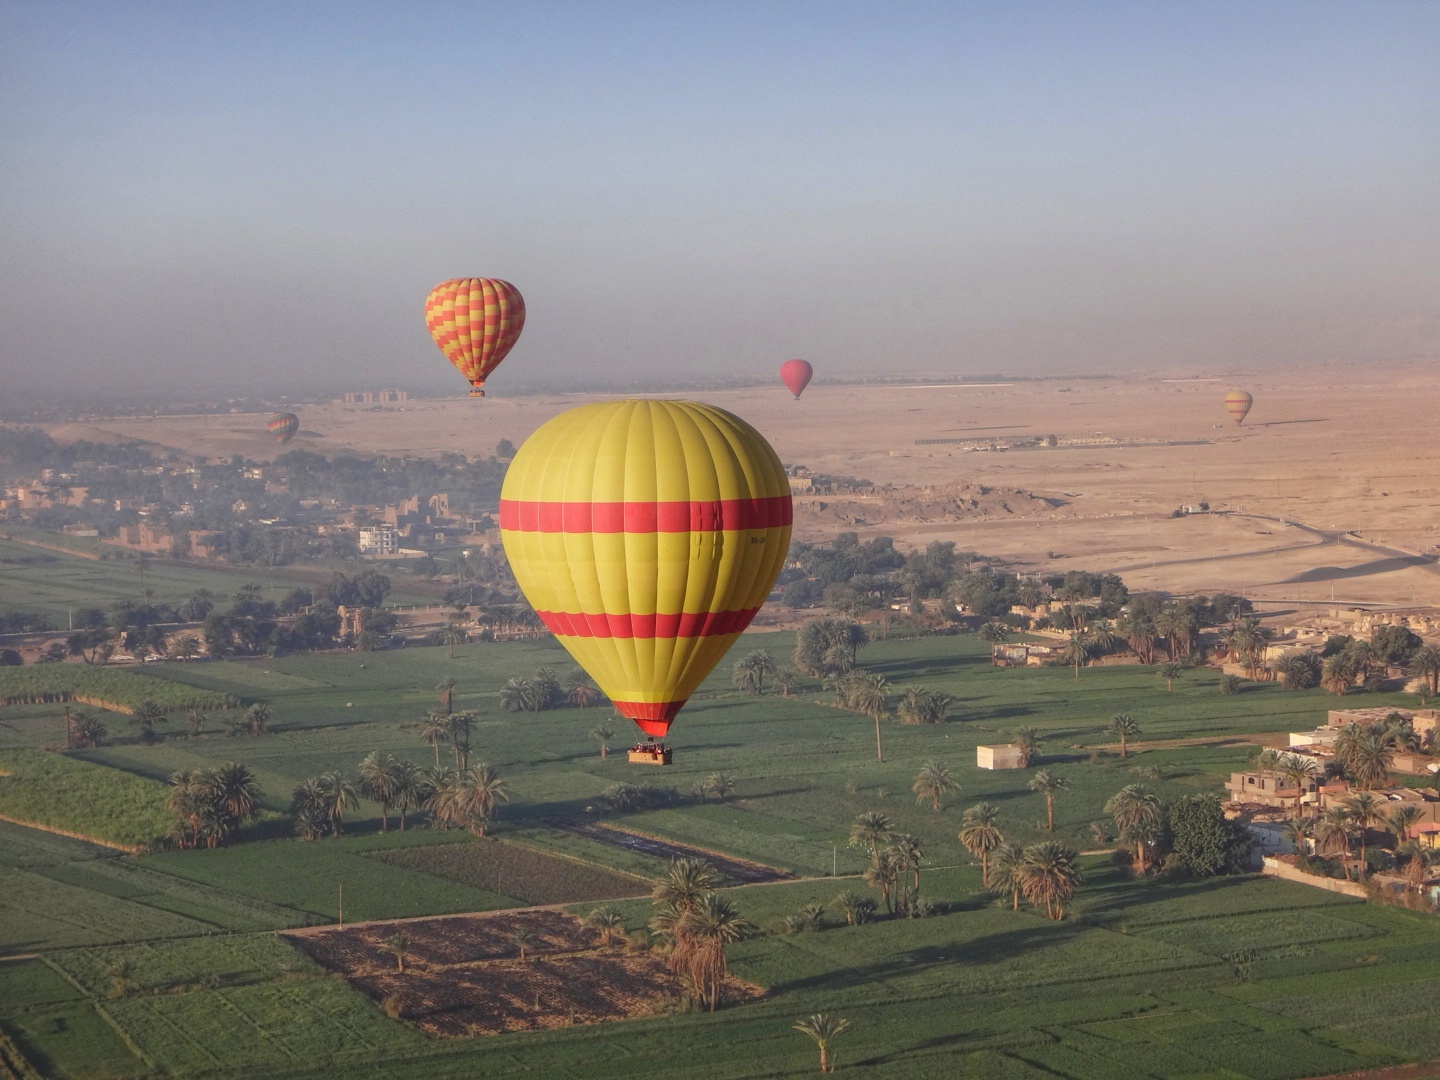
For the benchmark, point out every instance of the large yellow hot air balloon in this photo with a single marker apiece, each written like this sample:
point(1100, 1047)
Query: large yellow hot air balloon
point(646, 534)
point(476, 322)
point(1237, 404)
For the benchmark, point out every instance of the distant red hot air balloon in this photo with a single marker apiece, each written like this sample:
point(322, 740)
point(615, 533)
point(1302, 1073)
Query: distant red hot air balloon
point(796, 374)
point(1237, 404)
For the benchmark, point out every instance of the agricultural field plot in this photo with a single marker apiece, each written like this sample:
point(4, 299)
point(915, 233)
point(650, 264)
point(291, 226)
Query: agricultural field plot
point(535, 877)
point(463, 975)
point(110, 688)
point(308, 878)
point(79, 798)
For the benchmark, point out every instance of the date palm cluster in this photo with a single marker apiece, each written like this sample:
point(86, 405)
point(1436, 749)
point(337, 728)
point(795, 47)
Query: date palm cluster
point(544, 691)
point(209, 805)
point(1046, 874)
point(696, 924)
point(454, 798)
point(894, 868)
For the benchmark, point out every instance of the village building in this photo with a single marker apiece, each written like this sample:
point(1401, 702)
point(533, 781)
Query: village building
point(1005, 756)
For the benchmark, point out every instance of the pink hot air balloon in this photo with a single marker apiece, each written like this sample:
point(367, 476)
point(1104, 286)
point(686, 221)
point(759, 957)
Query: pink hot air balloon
point(796, 375)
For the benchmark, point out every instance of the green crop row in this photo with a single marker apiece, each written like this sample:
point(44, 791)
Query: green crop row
point(78, 798)
point(107, 688)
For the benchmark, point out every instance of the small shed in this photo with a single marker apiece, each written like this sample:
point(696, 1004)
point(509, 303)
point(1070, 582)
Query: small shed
point(1007, 756)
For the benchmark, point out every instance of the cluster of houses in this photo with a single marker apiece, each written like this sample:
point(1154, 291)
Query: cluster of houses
point(165, 528)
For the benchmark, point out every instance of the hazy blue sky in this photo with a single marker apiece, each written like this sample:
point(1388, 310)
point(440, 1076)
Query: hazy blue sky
point(260, 195)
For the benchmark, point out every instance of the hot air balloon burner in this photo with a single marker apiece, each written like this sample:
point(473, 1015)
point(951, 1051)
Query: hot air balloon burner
point(650, 752)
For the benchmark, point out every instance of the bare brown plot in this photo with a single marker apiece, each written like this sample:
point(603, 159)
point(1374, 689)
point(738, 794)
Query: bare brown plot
point(464, 976)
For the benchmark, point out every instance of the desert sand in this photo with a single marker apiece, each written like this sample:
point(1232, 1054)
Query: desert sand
point(1325, 452)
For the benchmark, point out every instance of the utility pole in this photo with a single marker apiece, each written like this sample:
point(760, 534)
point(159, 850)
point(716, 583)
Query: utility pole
point(342, 905)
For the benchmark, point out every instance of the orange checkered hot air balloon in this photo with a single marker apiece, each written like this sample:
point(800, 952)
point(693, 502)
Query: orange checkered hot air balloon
point(1237, 404)
point(646, 534)
point(476, 322)
point(283, 426)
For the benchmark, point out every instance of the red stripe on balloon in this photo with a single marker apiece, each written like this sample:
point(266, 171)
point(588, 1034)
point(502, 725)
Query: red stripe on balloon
point(518, 515)
point(681, 625)
point(654, 717)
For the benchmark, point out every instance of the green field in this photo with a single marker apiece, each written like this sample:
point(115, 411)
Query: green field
point(1141, 982)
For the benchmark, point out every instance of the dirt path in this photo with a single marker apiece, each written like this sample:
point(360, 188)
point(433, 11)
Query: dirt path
point(1270, 738)
point(747, 873)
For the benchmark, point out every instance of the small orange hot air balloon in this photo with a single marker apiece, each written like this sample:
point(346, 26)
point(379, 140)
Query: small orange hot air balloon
point(1237, 404)
point(476, 322)
point(646, 534)
point(796, 375)
point(283, 426)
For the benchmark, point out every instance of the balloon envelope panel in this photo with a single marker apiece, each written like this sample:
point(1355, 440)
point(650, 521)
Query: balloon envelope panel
point(476, 322)
point(646, 534)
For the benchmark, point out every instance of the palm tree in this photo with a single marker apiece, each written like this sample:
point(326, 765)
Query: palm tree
point(185, 801)
point(1005, 874)
point(1364, 810)
point(520, 695)
point(1049, 875)
point(603, 733)
point(868, 697)
point(1027, 738)
point(522, 938)
point(995, 632)
point(981, 836)
point(582, 692)
point(340, 796)
point(474, 796)
point(751, 670)
point(1337, 674)
point(236, 791)
point(785, 679)
point(460, 738)
point(88, 729)
point(1075, 652)
point(1137, 813)
point(719, 784)
point(257, 718)
point(607, 921)
point(379, 776)
point(1169, 672)
point(410, 788)
point(399, 944)
point(1049, 783)
point(187, 647)
point(1401, 819)
point(1124, 727)
point(1366, 754)
point(1425, 665)
point(1334, 826)
point(1299, 670)
point(436, 730)
point(908, 851)
point(869, 829)
point(708, 927)
point(195, 720)
point(883, 873)
point(1299, 770)
point(684, 883)
point(822, 1028)
point(1229, 684)
point(309, 808)
point(856, 908)
point(934, 782)
point(446, 686)
point(146, 715)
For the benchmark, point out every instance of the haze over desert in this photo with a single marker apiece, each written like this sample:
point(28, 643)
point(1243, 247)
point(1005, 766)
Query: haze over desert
point(1334, 448)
